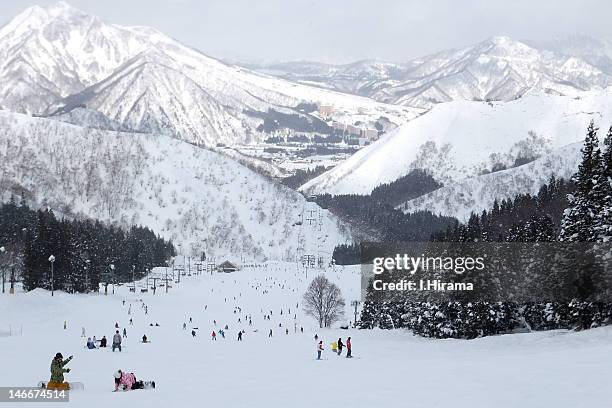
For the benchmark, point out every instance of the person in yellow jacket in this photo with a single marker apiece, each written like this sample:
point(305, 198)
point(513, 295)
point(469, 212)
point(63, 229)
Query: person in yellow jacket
point(334, 346)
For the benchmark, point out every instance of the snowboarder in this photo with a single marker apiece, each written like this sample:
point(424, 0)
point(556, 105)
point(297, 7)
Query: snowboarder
point(319, 349)
point(117, 341)
point(348, 348)
point(127, 381)
point(57, 373)
point(103, 342)
point(340, 345)
point(90, 343)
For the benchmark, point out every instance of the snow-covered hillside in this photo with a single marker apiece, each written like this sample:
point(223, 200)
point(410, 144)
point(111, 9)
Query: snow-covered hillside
point(499, 68)
point(197, 198)
point(60, 58)
point(561, 369)
point(478, 193)
point(464, 139)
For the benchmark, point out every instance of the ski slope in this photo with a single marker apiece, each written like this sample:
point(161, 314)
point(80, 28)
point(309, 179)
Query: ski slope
point(390, 368)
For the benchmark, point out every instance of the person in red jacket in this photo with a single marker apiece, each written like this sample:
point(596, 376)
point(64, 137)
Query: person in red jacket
point(349, 348)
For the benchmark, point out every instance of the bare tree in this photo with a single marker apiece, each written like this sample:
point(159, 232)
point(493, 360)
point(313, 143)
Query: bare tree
point(324, 301)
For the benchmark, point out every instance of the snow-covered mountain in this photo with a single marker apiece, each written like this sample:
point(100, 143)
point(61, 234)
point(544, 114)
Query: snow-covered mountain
point(354, 78)
point(498, 68)
point(195, 197)
point(58, 58)
point(595, 51)
point(462, 139)
point(478, 193)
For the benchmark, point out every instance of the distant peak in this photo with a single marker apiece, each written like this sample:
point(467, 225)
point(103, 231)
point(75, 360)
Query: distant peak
point(63, 8)
point(501, 40)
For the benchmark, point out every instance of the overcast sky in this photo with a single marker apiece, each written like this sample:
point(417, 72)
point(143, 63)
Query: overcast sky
point(341, 31)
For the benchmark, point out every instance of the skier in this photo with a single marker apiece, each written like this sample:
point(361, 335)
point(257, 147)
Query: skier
point(348, 348)
point(57, 373)
point(214, 335)
point(103, 342)
point(127, 381)
point(319, 349)
point(240, 336)
point(90, 343)
point(340, 345)
point(117, 341)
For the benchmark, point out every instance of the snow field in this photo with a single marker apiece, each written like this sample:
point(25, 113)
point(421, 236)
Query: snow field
point(548, 369)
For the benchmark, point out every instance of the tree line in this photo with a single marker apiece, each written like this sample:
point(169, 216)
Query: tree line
point(83, 250)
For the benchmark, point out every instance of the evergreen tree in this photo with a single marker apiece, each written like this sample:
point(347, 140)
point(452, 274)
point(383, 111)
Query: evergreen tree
point(585, 204)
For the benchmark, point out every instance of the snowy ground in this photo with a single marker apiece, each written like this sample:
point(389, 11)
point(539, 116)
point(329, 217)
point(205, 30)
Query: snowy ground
point(552, 369)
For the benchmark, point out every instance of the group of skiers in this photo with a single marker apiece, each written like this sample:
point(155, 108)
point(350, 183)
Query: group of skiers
point(336, 347)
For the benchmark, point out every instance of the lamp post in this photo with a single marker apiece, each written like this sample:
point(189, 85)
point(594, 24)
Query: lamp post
point(52, 260)
point(2, 251)
point(112, 268)
point(87, 284)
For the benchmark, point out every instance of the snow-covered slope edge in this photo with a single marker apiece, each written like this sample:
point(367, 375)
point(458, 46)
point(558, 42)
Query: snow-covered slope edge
point(462, 139)
point(479, 193)
point(195, 197)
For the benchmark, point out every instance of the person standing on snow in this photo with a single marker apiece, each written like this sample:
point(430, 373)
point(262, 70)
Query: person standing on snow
point(240, 335)
point(214, 335)
point(103, 341)
point(117, 341)
point(348, 348)
point(57, 373)
point(82, 331)
point(124, 333)
point(193, 333)
point(340, 345)
point(270, 334)
point(319, 349)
